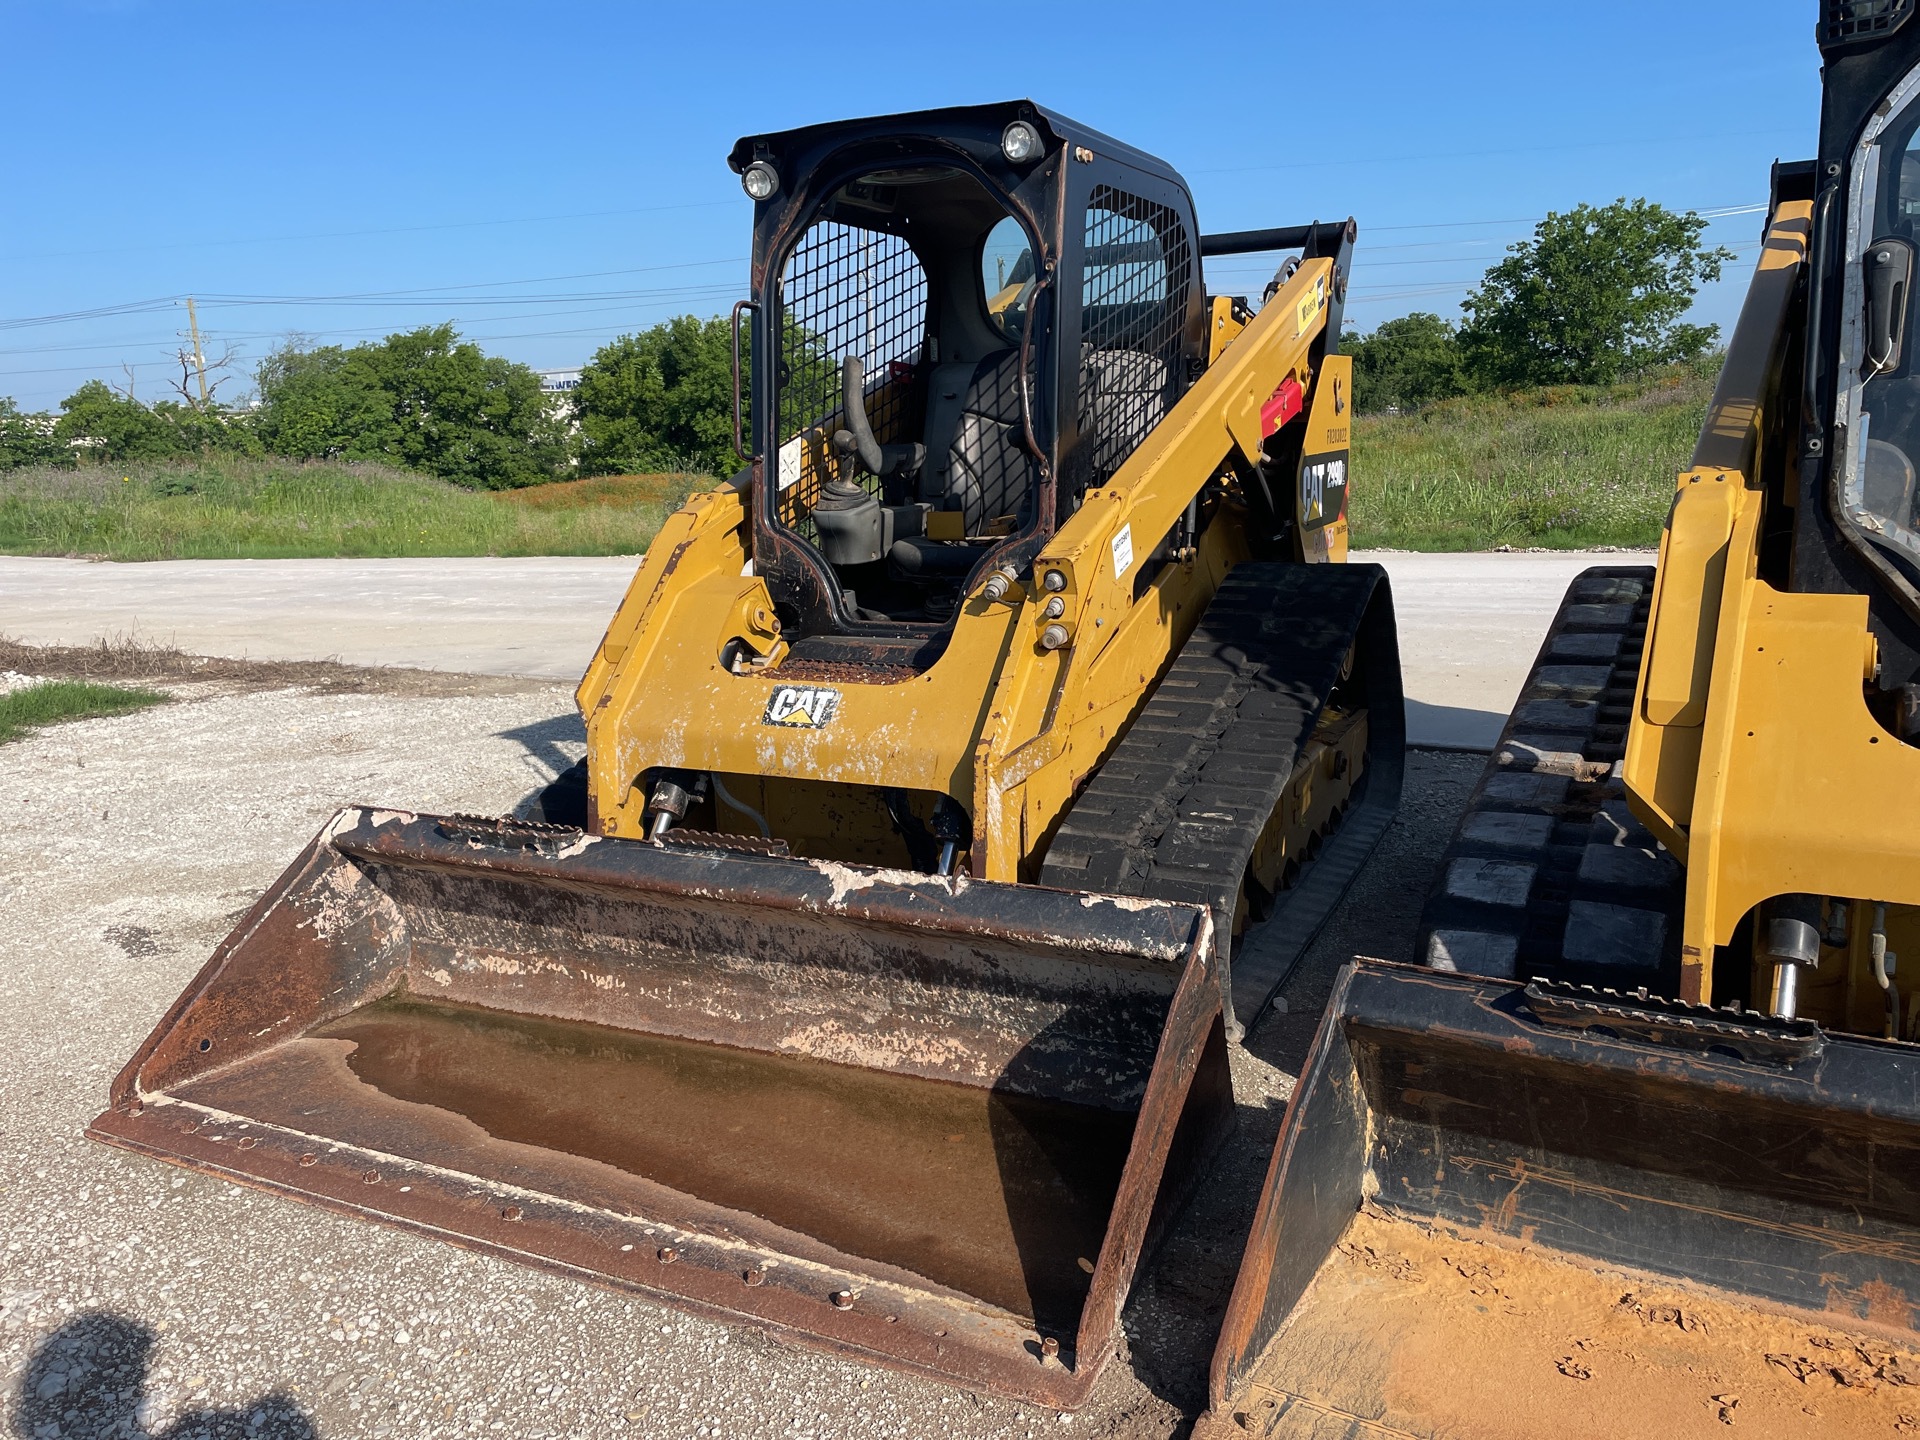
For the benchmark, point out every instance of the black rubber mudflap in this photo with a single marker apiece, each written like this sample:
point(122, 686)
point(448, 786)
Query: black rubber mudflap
point(1177, 808)
point(1548, 874)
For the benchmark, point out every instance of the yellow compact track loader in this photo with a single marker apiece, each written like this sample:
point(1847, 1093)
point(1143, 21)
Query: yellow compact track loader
point(1636, 1149)
point(959, 777)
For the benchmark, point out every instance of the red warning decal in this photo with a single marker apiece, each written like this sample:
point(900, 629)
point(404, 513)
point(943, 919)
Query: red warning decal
point(1282, 407)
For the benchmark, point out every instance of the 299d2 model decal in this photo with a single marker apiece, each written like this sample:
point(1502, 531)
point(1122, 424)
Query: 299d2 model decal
point(1323, 488)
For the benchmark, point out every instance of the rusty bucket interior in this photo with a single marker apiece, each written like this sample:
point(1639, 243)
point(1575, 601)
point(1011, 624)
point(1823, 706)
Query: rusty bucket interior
point(1511, 1210)
point(929, 1121)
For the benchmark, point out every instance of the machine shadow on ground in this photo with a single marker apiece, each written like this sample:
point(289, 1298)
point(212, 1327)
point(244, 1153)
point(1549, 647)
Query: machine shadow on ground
point(553, 744)
point(1453, 727)
point(88, 1380)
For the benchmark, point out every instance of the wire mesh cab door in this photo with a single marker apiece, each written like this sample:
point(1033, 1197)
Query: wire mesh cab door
point(876, 264)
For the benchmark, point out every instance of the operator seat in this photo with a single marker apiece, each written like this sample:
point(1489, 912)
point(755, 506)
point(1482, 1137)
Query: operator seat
point(977, 460)
point(1123, 395)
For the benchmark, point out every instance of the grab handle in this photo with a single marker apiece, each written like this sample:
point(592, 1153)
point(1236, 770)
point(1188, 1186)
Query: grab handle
point(739, 443)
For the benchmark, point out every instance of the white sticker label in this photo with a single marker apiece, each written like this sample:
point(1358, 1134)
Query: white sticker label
point(1122, 552)
point(1310, 306)
point(790, 463)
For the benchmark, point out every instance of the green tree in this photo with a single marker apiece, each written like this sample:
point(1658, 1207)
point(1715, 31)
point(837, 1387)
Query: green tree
point(1406, 363)
point(1597, 293)
point(97, 423)
point(314, 405)
point(463, 415)
point(208, 429)
point(26, 439)
point(659, 400)
point(423, 399)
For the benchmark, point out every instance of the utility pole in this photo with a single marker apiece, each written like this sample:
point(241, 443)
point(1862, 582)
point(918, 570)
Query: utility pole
point(199, 359)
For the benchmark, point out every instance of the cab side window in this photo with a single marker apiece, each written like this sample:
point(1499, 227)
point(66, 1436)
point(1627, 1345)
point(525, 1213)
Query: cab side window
point(1007, 277)
point(1132, 318)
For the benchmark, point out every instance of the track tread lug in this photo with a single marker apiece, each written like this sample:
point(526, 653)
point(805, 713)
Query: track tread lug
point(1603, 903)
point(1178, 806)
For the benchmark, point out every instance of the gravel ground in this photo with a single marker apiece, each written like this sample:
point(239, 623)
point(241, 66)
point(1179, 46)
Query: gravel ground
point(137, 1299)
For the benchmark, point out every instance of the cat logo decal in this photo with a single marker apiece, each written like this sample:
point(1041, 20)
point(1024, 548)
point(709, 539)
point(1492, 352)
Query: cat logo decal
point(801, 707)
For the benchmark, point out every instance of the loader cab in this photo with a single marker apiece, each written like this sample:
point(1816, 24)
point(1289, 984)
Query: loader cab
point(1856, 526)
point(962, 321)
point(1877, 492)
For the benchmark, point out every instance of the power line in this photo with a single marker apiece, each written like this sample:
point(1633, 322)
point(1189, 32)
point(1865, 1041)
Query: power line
point(427, 299)
point(122, 346)
point(363, 333)
point(468, 307)
point(1364, 248)
point(442, 300)
point(1479, 154)
point(535, 280)
point(438, 295)
point(386, 230)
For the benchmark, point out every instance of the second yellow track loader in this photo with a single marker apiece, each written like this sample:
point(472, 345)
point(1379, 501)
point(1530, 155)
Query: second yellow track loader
point(959, 779)
point(1635, 1149)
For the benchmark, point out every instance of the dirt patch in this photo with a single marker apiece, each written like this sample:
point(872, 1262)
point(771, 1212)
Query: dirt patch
point(125, 658)
point(598, 491)
point(1423, 1331)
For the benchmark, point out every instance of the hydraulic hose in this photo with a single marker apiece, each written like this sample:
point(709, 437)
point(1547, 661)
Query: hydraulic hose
point(746, 810)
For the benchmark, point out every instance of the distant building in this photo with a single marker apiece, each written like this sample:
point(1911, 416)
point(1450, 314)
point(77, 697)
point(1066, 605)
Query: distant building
point(556, 388)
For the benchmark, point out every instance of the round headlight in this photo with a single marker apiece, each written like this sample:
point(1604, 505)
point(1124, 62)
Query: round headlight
point(1020, 142)
point(760, 180)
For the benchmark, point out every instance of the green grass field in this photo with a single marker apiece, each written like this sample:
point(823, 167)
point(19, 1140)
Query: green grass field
point(51, 701)
point(271, 509)
point(1563, 468)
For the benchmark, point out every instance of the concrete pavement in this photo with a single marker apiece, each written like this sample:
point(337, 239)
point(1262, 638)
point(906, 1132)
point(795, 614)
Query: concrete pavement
point(1469, 624)
point(539, 617)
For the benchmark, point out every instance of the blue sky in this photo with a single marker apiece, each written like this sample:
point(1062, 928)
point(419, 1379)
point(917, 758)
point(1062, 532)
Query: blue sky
point(549, 176)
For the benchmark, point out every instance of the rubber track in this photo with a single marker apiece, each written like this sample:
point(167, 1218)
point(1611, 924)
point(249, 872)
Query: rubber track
point(1548, 875)
point(1175, 811)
